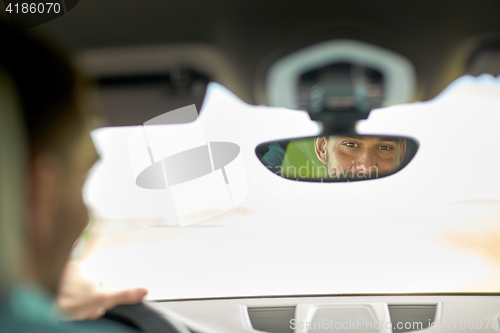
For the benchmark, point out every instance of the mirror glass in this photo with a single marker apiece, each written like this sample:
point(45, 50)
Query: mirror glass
point(337, 157)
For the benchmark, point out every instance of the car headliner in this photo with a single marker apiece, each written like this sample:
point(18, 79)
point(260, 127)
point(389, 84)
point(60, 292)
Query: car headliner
point(245, 37)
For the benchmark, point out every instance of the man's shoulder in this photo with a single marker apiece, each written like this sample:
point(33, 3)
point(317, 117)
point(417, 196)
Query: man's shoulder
point(29, 309)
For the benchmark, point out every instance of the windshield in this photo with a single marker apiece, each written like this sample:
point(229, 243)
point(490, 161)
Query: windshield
point(432, 227)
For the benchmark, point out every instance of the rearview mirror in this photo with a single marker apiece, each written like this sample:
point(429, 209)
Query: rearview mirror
point(334, 158)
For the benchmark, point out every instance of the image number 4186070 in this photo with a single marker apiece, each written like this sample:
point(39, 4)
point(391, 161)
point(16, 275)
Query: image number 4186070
point(33, 8)
point(27, 14)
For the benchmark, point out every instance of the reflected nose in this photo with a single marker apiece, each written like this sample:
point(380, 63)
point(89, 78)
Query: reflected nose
point(366, 162)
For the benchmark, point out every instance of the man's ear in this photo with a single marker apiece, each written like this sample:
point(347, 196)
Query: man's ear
point(44, 173)
point(320, 147)
point(403, 150)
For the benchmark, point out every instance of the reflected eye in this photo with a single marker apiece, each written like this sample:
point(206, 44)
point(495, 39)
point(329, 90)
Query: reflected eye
point(351, 144)
point(385, 148)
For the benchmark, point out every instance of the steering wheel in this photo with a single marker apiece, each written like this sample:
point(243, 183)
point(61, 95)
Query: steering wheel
point(143, 318)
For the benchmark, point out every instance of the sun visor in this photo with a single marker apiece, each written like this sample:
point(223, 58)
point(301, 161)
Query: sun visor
point(140, 83)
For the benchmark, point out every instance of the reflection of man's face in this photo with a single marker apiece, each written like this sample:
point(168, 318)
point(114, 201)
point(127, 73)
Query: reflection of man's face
point(360, 156)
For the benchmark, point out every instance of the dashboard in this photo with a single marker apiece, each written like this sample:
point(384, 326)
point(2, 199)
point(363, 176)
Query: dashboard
point(374, 313)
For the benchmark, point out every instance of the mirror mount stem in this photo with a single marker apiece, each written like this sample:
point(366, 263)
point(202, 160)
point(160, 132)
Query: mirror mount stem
point(339, 122)
point(338, 129)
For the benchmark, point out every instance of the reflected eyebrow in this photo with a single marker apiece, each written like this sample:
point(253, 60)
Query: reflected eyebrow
point(388, 138)
point(383, 138)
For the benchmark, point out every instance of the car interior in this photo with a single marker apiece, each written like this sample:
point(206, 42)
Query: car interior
point(149, 57)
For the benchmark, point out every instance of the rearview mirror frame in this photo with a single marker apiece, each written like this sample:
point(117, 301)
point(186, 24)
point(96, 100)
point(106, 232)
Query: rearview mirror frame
point(273, 155)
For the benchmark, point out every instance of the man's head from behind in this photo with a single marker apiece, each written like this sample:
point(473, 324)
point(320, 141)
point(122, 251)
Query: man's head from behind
point(60, 151)
point(358, 157)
